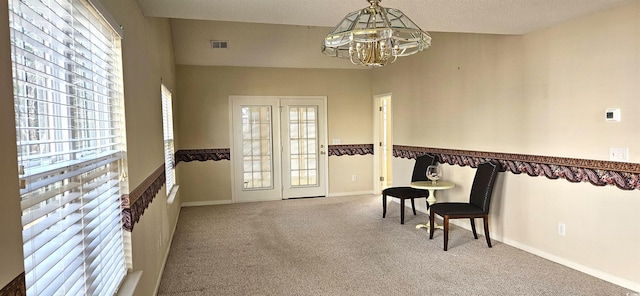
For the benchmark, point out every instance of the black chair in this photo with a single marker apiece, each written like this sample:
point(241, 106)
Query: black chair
point(419, 174)
point(477, 207)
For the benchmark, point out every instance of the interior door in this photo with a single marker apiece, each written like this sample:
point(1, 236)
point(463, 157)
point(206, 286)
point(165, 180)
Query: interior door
point(304, 147)
point(279, 147)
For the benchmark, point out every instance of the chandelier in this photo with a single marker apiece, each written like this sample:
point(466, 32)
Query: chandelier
point(375, 36)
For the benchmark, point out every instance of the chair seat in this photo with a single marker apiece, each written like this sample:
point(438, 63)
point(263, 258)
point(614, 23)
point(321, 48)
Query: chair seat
point(455, 208)
point(477, 207)
point(405, 192)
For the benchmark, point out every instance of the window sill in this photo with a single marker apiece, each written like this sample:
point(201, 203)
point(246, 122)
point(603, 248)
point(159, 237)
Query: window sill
point(129, 283)
point(172, 194)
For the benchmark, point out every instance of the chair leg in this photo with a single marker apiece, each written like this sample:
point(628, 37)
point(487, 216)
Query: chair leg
point(473, 228)
point(486, 230)
point(432, 219)
point(402, 211)
point(384, 205)
point(446, 231)
point(413, 206)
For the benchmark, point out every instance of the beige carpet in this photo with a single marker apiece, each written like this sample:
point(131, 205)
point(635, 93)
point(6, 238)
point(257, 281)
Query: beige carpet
point(342, 246)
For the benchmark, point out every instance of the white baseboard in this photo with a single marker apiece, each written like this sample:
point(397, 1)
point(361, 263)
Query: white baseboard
point(579, 267)
point(226, 202)
point(627, 284)
point(336, 194)
point(206, 203)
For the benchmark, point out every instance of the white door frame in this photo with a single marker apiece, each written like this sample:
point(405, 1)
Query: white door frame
point(377, 139)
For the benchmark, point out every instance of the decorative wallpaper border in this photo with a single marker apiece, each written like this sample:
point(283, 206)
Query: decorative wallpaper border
point(188, 155)
point(355, 149)
point(138, 200)
point(623, 175)
point(17, 287)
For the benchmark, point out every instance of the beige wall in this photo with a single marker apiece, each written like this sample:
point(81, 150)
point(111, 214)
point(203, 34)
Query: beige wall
point(148, 59)
point(343, 168)
point(573, 73)
point(543, 93)
point(203, 120)
point(251, 45)
point(11, 262)
point(443, 97)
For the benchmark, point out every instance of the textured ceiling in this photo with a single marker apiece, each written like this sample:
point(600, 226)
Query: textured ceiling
point(466, 16)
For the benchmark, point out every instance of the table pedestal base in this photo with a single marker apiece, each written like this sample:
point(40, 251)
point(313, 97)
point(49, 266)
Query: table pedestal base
point(431, 187)
point(430, 200)
point(426, 226)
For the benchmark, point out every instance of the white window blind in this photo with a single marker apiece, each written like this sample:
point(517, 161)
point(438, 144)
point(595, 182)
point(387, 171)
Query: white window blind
point(67, 74)
point(167, 126)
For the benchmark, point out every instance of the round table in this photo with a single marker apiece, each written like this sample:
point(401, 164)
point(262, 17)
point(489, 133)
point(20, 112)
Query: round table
point(431, 187)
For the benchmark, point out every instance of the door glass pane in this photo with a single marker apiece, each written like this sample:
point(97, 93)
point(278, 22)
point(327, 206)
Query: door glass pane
point(256, 144)
point(303, 143)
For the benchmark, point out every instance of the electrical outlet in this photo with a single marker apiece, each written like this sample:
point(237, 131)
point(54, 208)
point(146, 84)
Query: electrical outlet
point(561, 229)
point(354, 178)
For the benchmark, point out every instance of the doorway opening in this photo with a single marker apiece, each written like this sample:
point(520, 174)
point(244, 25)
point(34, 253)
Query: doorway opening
point(383, 136)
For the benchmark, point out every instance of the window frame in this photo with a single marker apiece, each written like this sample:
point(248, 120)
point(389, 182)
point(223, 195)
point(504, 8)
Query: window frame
point(168, 142)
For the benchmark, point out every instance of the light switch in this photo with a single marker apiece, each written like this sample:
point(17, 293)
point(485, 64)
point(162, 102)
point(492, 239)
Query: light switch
point(619, 154)
point(336, 141)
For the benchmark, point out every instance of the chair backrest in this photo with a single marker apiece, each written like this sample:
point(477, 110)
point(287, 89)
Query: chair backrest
point(482, 187)
point(420, 167)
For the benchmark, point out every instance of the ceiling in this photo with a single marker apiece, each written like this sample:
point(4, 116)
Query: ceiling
point(463, 16)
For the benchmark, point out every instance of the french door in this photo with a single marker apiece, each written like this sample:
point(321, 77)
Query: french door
point(279, 147)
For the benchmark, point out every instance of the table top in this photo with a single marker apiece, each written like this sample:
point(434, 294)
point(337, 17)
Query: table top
point(440, 185)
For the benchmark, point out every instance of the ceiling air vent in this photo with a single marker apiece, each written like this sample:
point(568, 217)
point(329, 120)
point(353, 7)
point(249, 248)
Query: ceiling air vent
point(218, 44)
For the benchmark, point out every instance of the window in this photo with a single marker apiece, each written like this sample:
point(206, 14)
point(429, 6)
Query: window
point(303, 139)
point(67, 80)
point(167, 126)
point(256, 147)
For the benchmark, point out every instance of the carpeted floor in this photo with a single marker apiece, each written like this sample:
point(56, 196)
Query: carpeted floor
point(342, 246)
